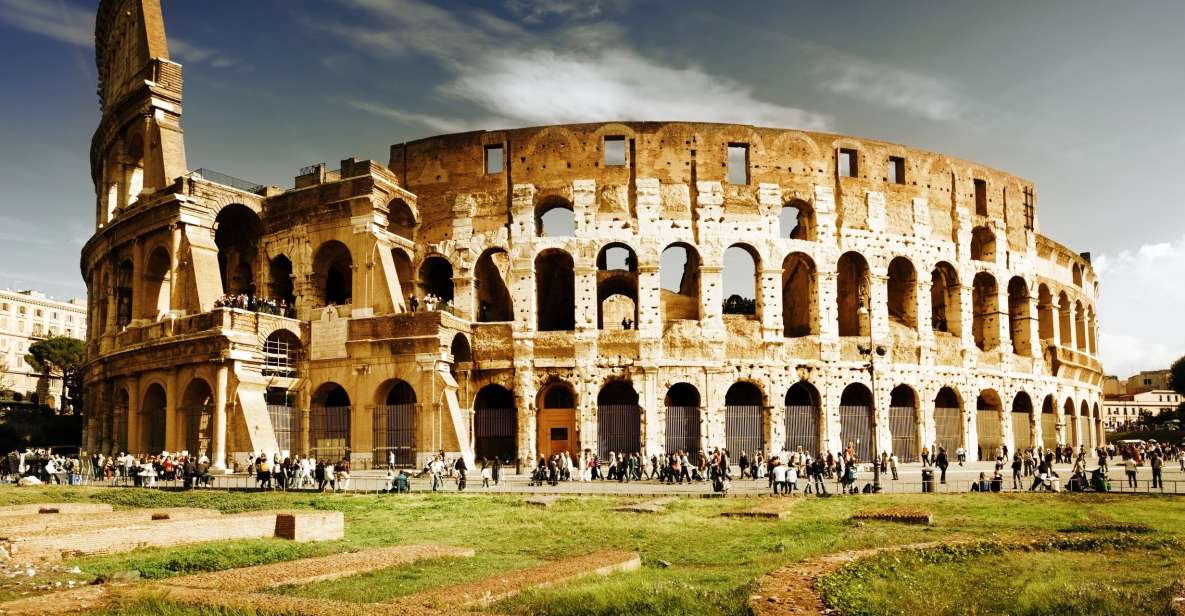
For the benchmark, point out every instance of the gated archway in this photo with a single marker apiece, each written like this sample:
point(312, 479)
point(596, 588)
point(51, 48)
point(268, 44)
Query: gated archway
point(1049, 423)
point(1070, 420)
point(555, 421)
point(329, 423)
point(948, 421)
point(394, 424)
point(683, 433)
point(987, 424)
point(619, 420)
point(855, 421)
point(903, 423)
point(1022, 421)
point(152, 420)
point(197, 405)
point(495, 424)
point(744, 425)
point(1084, 413)
point(803, 415)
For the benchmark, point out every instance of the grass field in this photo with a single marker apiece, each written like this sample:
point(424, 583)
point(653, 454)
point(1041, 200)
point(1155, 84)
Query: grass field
point(694, 561)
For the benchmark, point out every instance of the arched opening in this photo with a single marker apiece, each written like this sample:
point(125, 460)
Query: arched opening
point(436, 282)
point(494, 304)
point(1044, 314)
point(133, 171)
point(1088, 431)
point(403, 271)
point(555, 291)
point(1065, 338)
point(554, 217)
point(236, 233)
point(119, 439)
point(740, 278)
point(556, 420)
point(617, 287)
point(983, 244)
point(619, 420)
point(279, 284)
point(1019, 317)
point(282, 412)
point(152, 420)
point(852, 288)
point(460, 349)
point(1022, 422)
point(804, 422)
point(948, 420)
point(197, 411)
point(394, 424)
point(855, 422)
point(495, 424)
point(1049, 438)
point(1100, 431)
point(157, 284)
point(683, 419)
point(333, 273)
point(401, 220)
point(1092, 330)
point(986, 303)
point(124, 278)
point(282, 352)
point(1070, 418)
point(1079, 327)
point(988, 409)
point(797, 220)
point(800, 313)
point(945, 300)
point(329, 423)
point(1076, 273)
point(903, 423)
point(678, 273)
point(903, 294)
point(744, 420)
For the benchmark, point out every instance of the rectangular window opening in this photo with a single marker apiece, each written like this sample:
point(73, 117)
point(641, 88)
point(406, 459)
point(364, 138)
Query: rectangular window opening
point(615, 151)
point(848, 163)
point(738, 163)
point(494, 158)
point(1030, 208)
point(981, 197)
point(896, 170)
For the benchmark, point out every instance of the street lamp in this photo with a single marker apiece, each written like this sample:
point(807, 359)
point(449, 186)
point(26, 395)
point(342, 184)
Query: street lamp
point(872, 351)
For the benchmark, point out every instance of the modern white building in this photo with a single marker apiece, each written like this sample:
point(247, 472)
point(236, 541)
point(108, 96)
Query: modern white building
point(26, 317)
point(1122, 410)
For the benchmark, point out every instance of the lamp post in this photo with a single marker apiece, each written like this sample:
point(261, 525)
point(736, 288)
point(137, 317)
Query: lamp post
point(871, 351)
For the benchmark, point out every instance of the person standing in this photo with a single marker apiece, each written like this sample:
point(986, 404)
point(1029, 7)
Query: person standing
point(943, 463)
point(1157, 464)
point(893, 465)
point(1017, 465)
point(1129, 469)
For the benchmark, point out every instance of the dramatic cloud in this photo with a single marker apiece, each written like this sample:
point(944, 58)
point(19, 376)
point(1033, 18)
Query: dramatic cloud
point(579, 74)
point(538, 11)
point(890, 87)
point(1139, 307)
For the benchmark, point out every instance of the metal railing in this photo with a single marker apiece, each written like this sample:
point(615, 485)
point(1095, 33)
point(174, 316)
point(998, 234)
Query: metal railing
point(218, 177)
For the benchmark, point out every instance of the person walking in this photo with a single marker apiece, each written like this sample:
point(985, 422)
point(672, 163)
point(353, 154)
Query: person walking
point(893, 466)
point(1017, 465)
point(1129, 469)
point(943, 463)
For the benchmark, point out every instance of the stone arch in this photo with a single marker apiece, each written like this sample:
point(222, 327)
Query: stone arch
point(903, 422)
point(1070, 417)
point(1022, 422)
point(1019, 317)
point(402, 262)
point(124, 292)
point(555, 217)
point(152, 419)
point(1049, 436)
point(983, 244)
point(986, 307)
point(401, 218)
point(1064, 320)
point(617, 286)
point(683, 433)
point(495, 421)
point(157, 283)
point(619, 419)
point(988, 424)
point(1076, 274)
point(742, 262)
point(803, 419)
point(1045, 320)
point(800, 306)
point(1079, 327)
point(852, 286)
point(679, 279)
point(902, 293)
point(282, 353)
point(856, 422)
point(1092, 330)
point(436, 279)
point(197, 411)
point(333, 273)
point(119, 435)
point(948, 420)
point(460, 349)
point(946, 300)
point(1087, 433)
point(494, 302)
point(555, 291)
point(744, 419)
point(237, 231)
point(280, 281)
point(394, 424)
point(329, 422)
point(796, 220)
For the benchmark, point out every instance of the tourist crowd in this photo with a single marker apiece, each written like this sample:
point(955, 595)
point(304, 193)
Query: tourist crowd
point(266, 305)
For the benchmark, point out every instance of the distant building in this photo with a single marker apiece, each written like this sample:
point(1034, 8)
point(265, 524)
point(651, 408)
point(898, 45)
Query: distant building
point(1126, 409)
point(1148, 380)
point(26, 317)
point(1113, 386)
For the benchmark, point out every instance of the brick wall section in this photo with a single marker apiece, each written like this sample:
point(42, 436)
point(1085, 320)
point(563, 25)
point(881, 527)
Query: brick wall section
point(310, 526)
point(15, 527)
point(51, 508)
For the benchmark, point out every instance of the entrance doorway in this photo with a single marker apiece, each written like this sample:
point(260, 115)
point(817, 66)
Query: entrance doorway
point(556, 422)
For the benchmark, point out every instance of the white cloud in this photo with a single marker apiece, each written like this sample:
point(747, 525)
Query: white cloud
point(447, 125)
point(887, 86)
point(538, 11)
point(1141, 295)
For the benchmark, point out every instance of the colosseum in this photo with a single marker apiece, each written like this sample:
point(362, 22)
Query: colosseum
point(514, 293)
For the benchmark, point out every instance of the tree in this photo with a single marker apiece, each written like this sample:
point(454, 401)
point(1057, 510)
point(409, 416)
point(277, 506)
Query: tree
point(1177, 376)
point(59, 356)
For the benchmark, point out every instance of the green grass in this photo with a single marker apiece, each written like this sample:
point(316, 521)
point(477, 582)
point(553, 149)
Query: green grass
point(694, 561)
point(1114, 574)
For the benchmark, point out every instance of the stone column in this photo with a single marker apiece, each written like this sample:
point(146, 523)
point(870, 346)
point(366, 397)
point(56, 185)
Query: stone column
point(770, 299)
point(1003, 317)
point(649, 308)
point(218, 457)
point(879, 315)
point(172, 418)
point(133, 435)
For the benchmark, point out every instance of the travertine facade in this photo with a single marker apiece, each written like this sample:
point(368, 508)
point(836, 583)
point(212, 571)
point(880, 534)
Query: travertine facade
point(26, 317)
point(987, 327)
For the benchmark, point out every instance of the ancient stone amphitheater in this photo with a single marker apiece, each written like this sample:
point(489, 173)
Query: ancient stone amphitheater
point(631, 286)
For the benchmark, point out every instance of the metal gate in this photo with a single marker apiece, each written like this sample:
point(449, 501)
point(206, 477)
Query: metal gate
point(802, 429)
point(394, 427)
point(1022, 431)
point(278, 357)
point(855, 430)
point(744, 430)
point(199, 422)
point(948, 429)
point(987, 423)
point(682, 429)
point(329, 432)
point(619, 429)
point(903, 427)
point(283, 424)
point(495, 434)
point(1049, 431)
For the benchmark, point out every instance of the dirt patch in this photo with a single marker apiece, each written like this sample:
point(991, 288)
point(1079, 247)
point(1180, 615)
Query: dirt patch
point(901, 515)
point(650, 506)
point(76, 601)
point(482, 593)
point(774, 509)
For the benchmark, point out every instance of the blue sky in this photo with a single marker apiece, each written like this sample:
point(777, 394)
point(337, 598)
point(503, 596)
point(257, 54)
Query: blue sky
point(1082, 97)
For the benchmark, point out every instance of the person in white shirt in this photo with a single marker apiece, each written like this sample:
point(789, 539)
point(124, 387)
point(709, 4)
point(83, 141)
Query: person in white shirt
point(779, 478)
point(790, 480)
